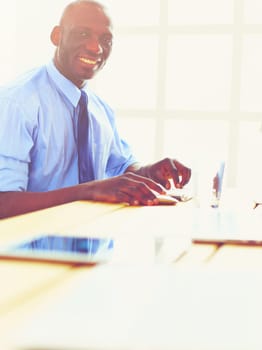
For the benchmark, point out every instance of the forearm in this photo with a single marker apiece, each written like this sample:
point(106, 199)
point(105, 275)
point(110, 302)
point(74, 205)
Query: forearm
point(16, 203)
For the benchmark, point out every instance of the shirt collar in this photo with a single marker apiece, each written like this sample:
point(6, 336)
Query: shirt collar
point(63, 84)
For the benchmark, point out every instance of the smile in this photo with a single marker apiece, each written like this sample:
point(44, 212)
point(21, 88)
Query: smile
point(88, 61)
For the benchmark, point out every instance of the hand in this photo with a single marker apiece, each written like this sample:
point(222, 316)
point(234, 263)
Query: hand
point(168, 169)
point(127, 188)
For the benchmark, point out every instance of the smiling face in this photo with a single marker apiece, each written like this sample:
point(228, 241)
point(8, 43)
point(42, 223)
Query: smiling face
point(83, 40)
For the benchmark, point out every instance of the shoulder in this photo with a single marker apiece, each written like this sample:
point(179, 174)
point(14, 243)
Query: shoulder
point(25, 85)
point(23, 95)
point(20, 101)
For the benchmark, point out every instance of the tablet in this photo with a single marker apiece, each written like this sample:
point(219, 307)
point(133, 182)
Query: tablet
point(61, 249)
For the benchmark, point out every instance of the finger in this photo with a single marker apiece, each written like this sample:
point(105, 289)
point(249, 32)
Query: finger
point(139, 194)
point(171, 172)
point(162, 172)
point(137, 199)
point(129, 189)
point(141, 181)
point(185, 176)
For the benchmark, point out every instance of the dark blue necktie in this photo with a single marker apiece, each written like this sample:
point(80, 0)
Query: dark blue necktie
point(84, 168)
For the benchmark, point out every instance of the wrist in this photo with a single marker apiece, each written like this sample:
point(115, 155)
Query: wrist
point(144, 171)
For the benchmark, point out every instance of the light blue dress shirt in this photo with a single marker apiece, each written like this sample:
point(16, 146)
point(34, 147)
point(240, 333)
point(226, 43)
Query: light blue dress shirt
point(38, 148)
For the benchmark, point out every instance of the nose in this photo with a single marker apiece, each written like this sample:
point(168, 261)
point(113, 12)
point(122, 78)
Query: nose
point(93, 45)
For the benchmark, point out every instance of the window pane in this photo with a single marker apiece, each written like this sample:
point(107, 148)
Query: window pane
point(133, 13)
point(200, 12)
point(201, 145)
point(33, 44)
point(253, 11)
point(251, 85)
point(199, 72)
point(7, 41)
point(140, 134)
point(249, 162)
point(129, 78)
point(196, 142)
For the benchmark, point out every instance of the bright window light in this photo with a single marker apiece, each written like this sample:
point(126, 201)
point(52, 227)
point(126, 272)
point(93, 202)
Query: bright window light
point(133, 13)
point(130, 77)
point(140, 134)
point(253, 11)
point(251, 84)
point(200, 12)
point(199, 72)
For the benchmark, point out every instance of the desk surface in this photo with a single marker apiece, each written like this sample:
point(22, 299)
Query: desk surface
point(25, 286)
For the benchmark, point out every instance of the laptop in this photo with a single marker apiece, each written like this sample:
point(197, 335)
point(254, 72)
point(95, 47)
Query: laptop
point(212, 223)
point(226, 226)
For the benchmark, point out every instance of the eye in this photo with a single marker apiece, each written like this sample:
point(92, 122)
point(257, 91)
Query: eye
point(106, 41)
point(84, 34)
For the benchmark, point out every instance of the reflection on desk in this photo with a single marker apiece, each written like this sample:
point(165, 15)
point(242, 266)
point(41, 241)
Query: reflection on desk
point(159, 307)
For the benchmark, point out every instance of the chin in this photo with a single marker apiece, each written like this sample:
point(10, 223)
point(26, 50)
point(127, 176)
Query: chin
point(88, 74)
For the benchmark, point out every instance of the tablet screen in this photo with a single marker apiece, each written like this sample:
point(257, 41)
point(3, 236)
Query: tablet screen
point(58, 248)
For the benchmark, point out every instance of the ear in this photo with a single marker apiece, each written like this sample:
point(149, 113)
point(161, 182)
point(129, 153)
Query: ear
point(55, 35)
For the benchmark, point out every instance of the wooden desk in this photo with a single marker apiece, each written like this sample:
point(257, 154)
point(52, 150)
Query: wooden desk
point(26, 286)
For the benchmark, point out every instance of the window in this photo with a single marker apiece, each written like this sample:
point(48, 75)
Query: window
point(197, 80)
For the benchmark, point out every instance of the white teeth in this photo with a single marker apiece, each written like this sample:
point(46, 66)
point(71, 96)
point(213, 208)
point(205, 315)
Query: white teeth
point(86, 60)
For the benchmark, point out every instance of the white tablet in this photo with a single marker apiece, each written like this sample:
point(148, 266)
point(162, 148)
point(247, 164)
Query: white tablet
point(61, 249)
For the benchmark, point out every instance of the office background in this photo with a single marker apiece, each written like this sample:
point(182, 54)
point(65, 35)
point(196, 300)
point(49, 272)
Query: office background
point(184, 77)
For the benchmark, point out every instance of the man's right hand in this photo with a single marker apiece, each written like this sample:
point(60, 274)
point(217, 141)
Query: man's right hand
point(127, 188)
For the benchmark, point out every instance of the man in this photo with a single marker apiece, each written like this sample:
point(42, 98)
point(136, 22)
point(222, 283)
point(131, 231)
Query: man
point(39, 132)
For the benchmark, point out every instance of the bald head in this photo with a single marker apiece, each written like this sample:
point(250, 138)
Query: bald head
point(75, 5)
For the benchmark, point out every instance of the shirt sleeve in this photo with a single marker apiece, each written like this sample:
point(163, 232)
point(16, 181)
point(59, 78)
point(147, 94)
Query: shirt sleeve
point(15, 145)
point(121, 155)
